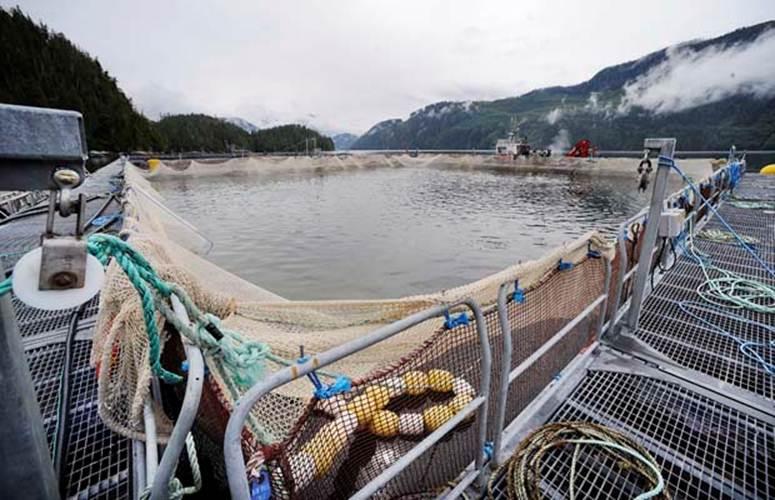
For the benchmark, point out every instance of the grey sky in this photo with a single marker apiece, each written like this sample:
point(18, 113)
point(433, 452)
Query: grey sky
point(344, 65)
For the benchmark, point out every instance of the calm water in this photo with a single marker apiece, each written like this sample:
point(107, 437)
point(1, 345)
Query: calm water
point(391, 232)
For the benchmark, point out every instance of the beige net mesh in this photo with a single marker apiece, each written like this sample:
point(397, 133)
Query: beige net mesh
point(288, 420)
point(121, 346)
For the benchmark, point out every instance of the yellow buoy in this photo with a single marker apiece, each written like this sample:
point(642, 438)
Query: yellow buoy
point(768, 169)
point(416, 383)
point(459, 402)
point(440, 380)
point(364, 408)
point(379, 394)
point(385, 424)
point(329, 442)
point(435, 416)
point(153, 165)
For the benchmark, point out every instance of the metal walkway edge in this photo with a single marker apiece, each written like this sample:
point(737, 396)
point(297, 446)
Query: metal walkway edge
point(98, 462)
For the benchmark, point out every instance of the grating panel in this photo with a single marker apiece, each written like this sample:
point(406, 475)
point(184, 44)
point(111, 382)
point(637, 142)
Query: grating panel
point(704, 448)
point(33, 321)
point(667, 328)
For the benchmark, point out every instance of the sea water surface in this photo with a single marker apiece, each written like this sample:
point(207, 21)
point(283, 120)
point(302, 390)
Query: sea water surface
point(390, 232)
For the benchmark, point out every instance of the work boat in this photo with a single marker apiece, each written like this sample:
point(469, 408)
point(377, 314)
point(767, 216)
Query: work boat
point(133, 368)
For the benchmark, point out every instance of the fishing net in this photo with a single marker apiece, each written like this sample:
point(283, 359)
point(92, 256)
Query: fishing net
point(332, 162)
point(288, 429)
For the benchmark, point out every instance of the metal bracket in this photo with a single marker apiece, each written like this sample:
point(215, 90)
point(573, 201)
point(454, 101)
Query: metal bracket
point(63, 258)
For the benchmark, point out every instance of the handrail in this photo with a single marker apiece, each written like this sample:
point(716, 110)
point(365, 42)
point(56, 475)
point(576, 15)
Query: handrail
point(508, 375)
point(621, 233)
point(235, 463)
point(188, 411)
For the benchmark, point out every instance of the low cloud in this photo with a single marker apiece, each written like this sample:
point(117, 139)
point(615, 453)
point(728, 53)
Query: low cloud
point(688, 78)
point(554, 115)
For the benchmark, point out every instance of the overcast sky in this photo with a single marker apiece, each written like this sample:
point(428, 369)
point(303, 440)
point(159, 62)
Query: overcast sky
point(345, 65)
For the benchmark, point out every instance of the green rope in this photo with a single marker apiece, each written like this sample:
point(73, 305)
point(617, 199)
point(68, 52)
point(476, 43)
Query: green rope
point(730, 289)
point(5, 286)
point(244, 359)
point(719, 236)
point(756, 205)
point(176, 489)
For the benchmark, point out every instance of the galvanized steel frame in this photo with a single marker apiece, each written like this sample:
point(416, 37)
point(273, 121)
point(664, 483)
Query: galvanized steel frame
point(508, 375)
point(619, 309)
point(235, 463)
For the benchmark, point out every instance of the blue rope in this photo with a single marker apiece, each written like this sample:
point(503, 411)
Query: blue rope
point(747, 348)
point(734, 168)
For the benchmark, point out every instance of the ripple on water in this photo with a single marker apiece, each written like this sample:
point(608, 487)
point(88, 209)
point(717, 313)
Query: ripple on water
point(391, 232)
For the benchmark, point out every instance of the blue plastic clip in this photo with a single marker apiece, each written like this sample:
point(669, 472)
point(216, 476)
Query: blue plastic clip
point(593, 254)
point(489, 450)
point(519, 294)
point(104, 220)
point(564, 266)
point(341, 385)
point(451, 322)
point(312, 376)
point(261, 488)
point(184, 367)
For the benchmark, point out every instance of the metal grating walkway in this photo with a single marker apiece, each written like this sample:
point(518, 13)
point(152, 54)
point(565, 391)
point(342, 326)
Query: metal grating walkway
point(98, 462)
point(669, 330)
point(705, 449)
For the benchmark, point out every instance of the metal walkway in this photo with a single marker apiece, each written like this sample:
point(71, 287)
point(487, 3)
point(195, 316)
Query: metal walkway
point(98, 462)
point(703, 409)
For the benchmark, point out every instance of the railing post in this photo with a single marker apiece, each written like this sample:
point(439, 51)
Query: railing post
point(505, 369)
point(666, 149)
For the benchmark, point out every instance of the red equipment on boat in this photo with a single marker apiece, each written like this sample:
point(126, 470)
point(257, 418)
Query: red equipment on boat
point(582, 149)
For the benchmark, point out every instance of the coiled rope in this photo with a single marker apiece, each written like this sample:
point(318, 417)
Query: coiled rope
point(731, 291)
point(523, 469)
point(719, 236)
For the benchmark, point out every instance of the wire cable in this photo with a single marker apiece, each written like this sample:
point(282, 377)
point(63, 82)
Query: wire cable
point(61, 438)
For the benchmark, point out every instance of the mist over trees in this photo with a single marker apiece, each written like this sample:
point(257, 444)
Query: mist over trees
point(39, 67)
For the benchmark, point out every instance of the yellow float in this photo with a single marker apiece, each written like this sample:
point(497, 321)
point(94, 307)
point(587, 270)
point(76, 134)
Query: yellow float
point(768, 169)
point(367, 410)
point(153, 165)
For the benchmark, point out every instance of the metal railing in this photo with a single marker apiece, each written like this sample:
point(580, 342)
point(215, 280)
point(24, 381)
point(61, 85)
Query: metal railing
point(508, 376)
point(235, 462)
point(148, 469)
point(624, 275)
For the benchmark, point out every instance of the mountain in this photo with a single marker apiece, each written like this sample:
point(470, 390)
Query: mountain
point(707, 93)
point(43, 68)
point(197, 132)
point(241, 123)
point(342, 142)
point(287, 138)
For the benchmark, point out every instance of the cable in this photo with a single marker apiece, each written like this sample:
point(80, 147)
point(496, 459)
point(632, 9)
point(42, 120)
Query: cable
point(745, 245)
point(62, 430)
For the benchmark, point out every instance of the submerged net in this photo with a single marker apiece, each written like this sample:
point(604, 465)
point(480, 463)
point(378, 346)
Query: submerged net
point(284, 423)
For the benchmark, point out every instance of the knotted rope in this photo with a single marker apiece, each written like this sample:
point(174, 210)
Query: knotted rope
point(245, 359)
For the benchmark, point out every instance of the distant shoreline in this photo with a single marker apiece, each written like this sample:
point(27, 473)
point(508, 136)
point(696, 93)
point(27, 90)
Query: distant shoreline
point(271, 164)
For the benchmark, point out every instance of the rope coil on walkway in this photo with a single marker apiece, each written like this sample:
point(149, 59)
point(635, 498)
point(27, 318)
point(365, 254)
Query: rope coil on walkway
point(523, 469)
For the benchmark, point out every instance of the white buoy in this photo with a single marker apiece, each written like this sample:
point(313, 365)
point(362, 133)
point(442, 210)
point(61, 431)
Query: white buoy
point(26, 275)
